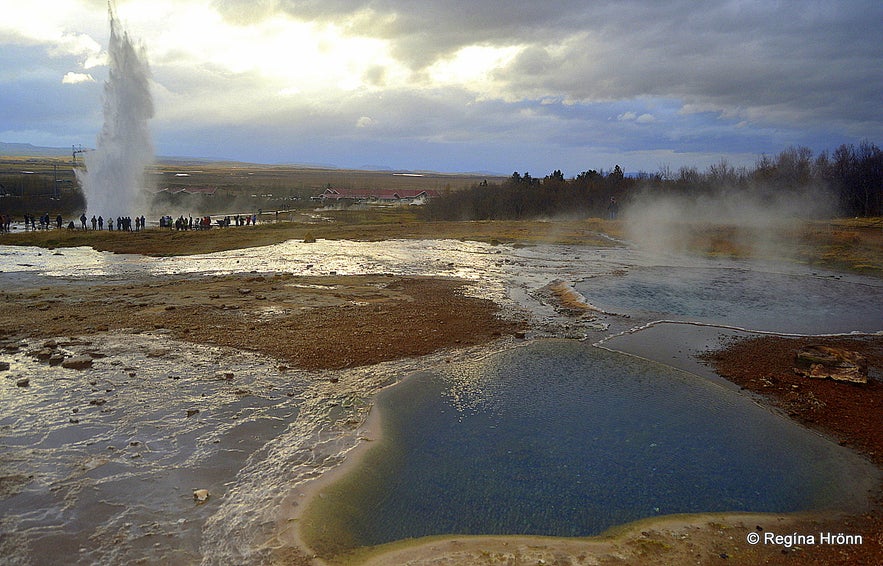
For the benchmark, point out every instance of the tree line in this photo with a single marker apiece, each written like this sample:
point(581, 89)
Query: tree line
point(853, 174)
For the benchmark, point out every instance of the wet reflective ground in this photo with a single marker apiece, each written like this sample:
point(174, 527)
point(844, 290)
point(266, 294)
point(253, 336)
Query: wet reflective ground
point(98, 466)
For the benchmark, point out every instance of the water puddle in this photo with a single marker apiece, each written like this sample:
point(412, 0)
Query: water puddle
point(798, 302)
point(563, 439)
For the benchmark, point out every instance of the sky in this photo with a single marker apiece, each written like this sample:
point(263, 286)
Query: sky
point(458, 85)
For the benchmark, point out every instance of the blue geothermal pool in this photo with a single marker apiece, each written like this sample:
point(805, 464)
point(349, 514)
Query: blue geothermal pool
point(561, 438)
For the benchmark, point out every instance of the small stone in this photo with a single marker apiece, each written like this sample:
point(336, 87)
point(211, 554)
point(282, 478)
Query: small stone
point(43, 354)
point(77, 362)
point(244, 291)
point(4, 366)
point(98, 402)
point(23, 382)
point(820, 362)
point(201, 495)
point(191, 412)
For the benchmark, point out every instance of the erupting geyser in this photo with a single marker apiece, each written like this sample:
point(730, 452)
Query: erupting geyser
point(114, 176)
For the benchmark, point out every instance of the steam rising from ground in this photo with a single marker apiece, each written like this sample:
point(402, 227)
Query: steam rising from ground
point(114, 177)
point(760, 223)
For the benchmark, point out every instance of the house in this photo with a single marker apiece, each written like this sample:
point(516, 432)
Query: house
point(378, 196)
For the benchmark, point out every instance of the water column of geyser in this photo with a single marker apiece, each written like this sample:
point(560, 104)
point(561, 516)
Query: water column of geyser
point(114, 176)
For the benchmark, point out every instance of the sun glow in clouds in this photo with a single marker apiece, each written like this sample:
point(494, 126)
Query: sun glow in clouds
point(299, 57)
point(293, 57)
point(472, 66)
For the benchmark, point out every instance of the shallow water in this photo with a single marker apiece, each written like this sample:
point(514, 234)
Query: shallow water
point(116, 486)
point(803, 302)
point(564, 439)
point(100, 464)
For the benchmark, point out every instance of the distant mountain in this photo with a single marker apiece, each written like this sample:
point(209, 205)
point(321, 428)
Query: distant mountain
point(29, 150)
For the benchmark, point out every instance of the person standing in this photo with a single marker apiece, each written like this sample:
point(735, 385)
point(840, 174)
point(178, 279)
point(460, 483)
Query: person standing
point(612, 208)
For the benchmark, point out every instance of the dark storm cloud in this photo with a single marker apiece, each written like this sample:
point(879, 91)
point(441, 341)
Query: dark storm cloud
point(778, 62)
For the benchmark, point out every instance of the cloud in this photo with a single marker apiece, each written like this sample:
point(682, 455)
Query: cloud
point(534, 81)
point(764, 62)
point(365, 122)
point(72, 78)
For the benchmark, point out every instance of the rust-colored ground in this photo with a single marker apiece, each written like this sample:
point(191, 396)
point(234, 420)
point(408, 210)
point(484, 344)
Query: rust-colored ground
point(852, 414)
point(307, 322)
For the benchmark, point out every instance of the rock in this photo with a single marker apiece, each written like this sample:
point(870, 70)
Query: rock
point(823, 362)
point(191, 412)
point(56, 359)
point(4, 366)
point(22, 382)
point(244, 291)
point(157, 352)
point(201, 495)
point(77, 362)
point(43, 353)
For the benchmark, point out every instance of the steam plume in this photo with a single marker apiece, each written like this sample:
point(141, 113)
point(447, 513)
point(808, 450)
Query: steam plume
point(760, 223)
point(114, 175)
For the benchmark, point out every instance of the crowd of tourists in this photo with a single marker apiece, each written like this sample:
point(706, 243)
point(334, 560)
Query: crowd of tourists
point(122, 224)
point(126, 223)
point(205, 222)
